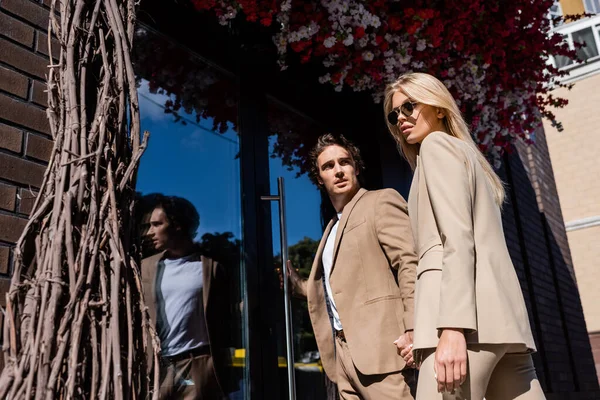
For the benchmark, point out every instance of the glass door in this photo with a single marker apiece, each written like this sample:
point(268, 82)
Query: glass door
point(191, 171)
point(291, 135)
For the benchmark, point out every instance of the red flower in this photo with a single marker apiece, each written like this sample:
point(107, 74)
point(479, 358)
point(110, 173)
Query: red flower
point(395, 23)
point(359, 33)
point(412, 28)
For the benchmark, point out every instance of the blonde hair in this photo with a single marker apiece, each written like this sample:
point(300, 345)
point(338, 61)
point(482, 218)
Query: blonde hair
point(426, 89)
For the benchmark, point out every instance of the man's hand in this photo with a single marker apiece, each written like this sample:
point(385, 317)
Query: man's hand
point(297, 283)
point(450, 362)
point(404, 346)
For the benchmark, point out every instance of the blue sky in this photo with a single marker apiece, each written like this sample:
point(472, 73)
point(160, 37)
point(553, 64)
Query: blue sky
point(193, 162)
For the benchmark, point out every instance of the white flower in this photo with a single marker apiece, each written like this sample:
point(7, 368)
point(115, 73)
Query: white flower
point(328, 63)
point(367, 56)
point(375, 23)
point(325, 78)
point(329, 42)
point(421, 45)
point(286, 5)
point(404, 59)
point(349, 40)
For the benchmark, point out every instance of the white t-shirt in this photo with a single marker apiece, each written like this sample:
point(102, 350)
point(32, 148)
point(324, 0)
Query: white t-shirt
point(327, 259)
point(179, 305)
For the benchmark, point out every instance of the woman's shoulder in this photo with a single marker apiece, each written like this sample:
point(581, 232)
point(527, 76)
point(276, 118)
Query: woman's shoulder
point(440, 143)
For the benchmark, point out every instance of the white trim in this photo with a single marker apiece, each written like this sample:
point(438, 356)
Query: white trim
point(577, 25)
point(583, 223)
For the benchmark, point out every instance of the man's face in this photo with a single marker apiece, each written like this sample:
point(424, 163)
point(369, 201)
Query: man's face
point(337, 172)
point(161, 231)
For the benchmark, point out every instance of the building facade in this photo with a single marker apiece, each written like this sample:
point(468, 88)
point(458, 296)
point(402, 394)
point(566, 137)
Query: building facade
point(574, 148)
point(225, 124)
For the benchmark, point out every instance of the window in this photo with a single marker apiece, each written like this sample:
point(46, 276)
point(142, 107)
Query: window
point(554, 15)
point(587, 32)
point(585, 36)
point(592, 6)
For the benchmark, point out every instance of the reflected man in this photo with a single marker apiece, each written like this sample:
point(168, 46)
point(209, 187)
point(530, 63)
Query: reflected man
point(361, 286)
point(187, 298)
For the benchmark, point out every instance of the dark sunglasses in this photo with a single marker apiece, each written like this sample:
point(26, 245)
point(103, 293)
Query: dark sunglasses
point(407, 108)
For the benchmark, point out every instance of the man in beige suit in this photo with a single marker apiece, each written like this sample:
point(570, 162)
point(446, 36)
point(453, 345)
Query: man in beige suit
point(361, 286)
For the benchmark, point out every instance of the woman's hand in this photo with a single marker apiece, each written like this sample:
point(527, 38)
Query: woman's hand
point(450, 362)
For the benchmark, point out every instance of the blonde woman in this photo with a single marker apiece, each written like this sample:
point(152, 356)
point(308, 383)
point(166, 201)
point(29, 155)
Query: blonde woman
point(472, 337)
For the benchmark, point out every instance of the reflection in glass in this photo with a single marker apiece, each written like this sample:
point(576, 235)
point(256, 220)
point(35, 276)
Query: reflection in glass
point(585, 37)
point(191, 172)
point(562, 61)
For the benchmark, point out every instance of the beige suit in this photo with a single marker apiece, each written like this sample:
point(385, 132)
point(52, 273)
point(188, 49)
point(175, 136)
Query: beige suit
point(373, 243)
point(465, 277)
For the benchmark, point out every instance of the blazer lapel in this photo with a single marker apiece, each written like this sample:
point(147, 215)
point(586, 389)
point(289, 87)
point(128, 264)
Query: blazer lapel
point(345, 215)
point(413, 194)
point(149, 270)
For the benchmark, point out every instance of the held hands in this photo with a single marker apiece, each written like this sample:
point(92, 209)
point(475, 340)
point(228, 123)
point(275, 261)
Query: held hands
point(297, 283)
point(450, 364)
point(404, 346)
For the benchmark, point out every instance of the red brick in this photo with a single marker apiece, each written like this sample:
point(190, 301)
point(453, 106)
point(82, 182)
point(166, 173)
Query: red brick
point(16, 30)
point(24, 114)
point(39, 95)
point(11, 228)
point(11, 138)
point(7, 197)
point(13, 82)
point(28, 10)
point(4, 256)
point(27, 200)
point(21, 171)
point(39, 147)
point(42, 46)
point(23, 59)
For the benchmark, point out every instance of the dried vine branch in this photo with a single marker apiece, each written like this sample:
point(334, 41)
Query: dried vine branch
point(76, 324)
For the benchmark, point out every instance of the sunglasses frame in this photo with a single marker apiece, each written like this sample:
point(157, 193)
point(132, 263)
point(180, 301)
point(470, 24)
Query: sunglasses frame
point(395, 113)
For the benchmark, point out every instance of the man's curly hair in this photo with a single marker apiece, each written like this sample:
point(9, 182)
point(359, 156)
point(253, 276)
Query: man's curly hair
point(329, 139)
point(179, 211)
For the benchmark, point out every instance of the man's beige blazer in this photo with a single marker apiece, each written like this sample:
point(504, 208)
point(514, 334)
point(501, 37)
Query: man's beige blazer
point(465, 277)
point(372, 246)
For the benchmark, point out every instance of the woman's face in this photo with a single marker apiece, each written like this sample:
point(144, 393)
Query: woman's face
point(423, 120)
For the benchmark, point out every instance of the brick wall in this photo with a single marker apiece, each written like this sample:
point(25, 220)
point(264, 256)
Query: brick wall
point(574, 153)
point(25, 144)
point(567, 357)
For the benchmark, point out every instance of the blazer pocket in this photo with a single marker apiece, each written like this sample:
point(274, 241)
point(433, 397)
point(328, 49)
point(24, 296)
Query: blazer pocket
point(355, 224)
point(431, 258)
point(383, 298)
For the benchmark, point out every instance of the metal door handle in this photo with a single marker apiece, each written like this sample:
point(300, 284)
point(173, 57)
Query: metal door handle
point(289, 339)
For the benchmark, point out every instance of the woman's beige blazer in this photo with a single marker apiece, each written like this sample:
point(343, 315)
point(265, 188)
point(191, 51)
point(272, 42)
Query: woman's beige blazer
point(465, 277)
